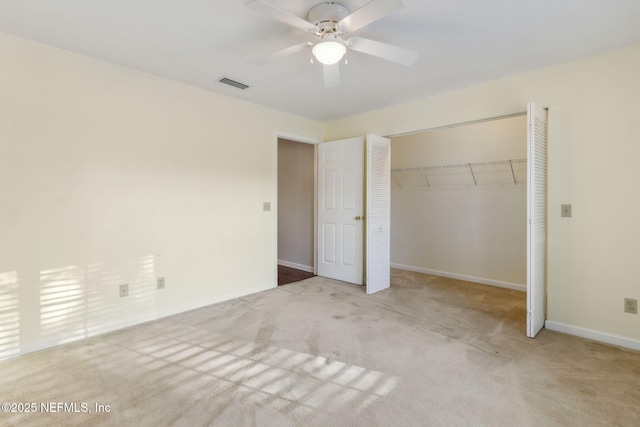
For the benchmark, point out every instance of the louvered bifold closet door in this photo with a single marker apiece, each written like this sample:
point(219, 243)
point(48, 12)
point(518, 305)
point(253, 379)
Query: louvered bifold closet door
point(378, 216)
point(537, 219)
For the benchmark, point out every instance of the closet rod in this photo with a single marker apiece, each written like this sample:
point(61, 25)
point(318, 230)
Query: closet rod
point(463, 165)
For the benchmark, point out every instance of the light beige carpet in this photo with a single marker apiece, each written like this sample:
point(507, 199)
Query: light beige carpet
point(429, 351)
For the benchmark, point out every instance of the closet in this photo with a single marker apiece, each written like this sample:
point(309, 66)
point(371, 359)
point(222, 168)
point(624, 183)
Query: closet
point(459, 202)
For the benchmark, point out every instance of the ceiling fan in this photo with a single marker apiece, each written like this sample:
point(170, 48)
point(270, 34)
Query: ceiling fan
point(330, 22)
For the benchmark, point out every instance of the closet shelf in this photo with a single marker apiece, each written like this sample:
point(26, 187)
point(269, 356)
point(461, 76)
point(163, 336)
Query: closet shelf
point(472, 168)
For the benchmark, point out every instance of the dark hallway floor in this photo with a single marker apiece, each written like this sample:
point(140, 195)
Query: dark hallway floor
point(288, 275)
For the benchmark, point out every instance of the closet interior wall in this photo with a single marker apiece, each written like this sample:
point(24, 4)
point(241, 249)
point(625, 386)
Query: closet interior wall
point(458, 202)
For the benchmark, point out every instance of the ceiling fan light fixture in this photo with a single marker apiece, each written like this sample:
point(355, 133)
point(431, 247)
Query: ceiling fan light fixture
point(329, 52)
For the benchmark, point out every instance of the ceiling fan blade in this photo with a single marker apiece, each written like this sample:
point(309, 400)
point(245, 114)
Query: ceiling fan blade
point(383, 50)
point(262, 6)
point(331, 75)
point(370, 12)
point(280, 54)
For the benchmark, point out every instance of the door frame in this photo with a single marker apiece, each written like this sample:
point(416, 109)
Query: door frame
point(305, 140)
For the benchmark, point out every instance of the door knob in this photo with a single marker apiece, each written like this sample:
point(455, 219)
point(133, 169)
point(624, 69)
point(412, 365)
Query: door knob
point(358, 218)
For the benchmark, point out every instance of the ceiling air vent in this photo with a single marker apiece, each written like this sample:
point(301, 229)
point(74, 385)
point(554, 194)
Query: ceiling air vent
point(233, 83)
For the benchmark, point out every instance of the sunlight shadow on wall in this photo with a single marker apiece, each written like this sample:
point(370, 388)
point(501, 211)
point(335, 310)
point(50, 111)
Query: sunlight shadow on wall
point(9, 315)
point(105, 307)
point(80, 301)
point(63, 305)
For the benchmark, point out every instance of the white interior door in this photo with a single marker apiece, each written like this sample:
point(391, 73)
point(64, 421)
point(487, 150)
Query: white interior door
point(537, 219)
point(378, 217)
point(341, 210)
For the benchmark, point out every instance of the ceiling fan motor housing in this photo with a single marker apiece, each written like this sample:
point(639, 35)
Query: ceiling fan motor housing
point(325, 16)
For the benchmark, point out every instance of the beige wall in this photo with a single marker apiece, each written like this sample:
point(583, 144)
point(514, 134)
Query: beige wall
point(296, 178)
point(453, 227)
point(110, 176)
point(593, 156)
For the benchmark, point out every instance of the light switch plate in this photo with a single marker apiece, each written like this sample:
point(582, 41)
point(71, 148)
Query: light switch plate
point(266, 206)
point(565, 211)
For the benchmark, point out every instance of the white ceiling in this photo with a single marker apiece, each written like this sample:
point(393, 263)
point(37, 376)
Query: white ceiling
point(461, 43)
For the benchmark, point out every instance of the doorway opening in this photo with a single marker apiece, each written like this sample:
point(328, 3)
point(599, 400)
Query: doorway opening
point(296, 210)
point(459, 202)
point(469, 203)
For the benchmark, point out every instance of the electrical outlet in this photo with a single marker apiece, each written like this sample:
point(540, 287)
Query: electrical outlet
point(631, 305)
point(124, 291)
point(160, 283)
point(266, 206)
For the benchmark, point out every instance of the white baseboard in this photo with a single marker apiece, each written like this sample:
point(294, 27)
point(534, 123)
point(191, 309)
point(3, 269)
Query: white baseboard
point(302, 267)
point(137, 320)
point(593, 335)
point(481, 280)
point(219, 298)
